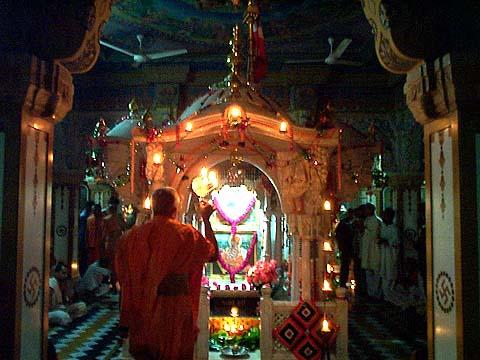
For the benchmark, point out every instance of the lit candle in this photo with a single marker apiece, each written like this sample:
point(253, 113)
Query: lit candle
point(329, 268)
point(74, 266)
point(283, 127)
point(188, 127)
point(326, 286)
point(325, 327)
point(327, 205)
point(327, 246)
point(147, 204)
point(234, 311)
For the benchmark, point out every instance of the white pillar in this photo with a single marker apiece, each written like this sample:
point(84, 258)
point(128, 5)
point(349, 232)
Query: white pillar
point(296, 258)
point(268, 236)
point(306, 267)
point(201, 346)
point(266, 323)
point(278, 238)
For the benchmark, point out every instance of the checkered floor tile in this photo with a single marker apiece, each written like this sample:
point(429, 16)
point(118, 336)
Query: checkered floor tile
point(94, 336)
point(377, 331)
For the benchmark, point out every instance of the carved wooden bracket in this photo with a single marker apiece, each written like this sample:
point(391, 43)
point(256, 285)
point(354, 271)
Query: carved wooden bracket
point(50, 92)
point(87, 55)
point(388, 53)
point(431, 94)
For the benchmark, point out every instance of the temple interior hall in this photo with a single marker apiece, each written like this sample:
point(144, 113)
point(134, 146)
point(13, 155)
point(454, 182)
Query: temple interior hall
point(333, 144)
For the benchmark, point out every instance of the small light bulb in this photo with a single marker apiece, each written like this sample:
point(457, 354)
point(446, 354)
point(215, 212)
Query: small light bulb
point(283, 127)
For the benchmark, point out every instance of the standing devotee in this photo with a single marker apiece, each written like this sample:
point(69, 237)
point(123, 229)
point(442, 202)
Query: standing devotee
point(95, 235)
point(389, 249)
point(159, 266)
point(82, 237)
point(113, 229)
point(358, 228)
point(370, 251)
point(344, 235)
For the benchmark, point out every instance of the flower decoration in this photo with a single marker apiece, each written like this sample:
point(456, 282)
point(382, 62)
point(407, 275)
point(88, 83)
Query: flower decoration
point(205, 281)
point(262, 273)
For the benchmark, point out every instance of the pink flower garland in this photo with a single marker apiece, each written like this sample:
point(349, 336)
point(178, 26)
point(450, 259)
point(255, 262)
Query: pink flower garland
point(235, 270)
point(234, 222)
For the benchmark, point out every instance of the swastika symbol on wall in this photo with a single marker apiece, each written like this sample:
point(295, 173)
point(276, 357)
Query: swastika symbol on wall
point(444, 292)
point(31, 286)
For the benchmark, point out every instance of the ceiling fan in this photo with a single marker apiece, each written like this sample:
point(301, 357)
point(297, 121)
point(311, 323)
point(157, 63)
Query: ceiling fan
point(141, 57)
point(334, 58)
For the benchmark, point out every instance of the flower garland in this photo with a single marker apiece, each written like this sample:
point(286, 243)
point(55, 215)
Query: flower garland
point(234, 222)
point(235, 270)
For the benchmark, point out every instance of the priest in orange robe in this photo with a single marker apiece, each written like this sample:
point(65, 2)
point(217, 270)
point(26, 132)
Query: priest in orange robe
point(159, 267)
point(95, 235)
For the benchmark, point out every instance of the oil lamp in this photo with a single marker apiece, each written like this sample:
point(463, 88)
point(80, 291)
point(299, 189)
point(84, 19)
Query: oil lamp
point(147, 204)
point(325, 327)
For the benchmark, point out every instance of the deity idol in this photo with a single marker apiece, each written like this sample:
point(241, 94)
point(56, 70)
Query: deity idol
point(234, 254)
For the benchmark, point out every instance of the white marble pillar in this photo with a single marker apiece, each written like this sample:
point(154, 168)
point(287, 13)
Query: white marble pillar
point(266, 323)
point(278, 249)
point(201, 346)
point(268, 236)
point(306, 267)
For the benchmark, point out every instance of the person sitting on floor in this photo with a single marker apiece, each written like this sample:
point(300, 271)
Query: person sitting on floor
point(94, 283)
point(61, 311)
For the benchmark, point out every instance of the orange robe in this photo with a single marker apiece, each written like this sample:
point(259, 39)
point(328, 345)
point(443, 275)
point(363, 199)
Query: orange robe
point(113, 229)
point(161, 313)
point(95, 238)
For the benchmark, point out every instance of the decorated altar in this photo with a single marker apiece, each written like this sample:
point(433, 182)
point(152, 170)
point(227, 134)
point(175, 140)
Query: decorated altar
point(274, 186)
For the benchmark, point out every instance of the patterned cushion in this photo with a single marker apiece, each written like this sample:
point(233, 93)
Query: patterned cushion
point(307, 314)
point(307, 349)
point(289, 333)
point(301, 332)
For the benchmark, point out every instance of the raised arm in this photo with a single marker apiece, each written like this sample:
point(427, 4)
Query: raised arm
point(206, 211)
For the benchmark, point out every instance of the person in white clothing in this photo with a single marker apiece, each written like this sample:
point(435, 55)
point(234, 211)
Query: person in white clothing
point(94, 282)
point(370, 251)
point(59, 311)
point(389, 249)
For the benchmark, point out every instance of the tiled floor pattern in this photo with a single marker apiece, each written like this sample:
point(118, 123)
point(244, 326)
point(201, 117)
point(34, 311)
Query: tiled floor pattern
point(94, 336)
point(377, 331)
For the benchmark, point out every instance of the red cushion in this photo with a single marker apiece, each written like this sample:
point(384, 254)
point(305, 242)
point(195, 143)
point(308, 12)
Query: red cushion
point(307, 314)
point(289, 333)
point(307, 349)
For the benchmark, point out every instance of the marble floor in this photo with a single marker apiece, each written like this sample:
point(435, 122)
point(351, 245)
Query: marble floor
point(377, 331)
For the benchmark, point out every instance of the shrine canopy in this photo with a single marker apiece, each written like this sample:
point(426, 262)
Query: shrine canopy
point(244, 119)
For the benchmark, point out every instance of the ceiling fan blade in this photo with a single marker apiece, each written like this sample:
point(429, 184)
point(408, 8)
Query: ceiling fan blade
point(347, 62)
point(116, 48)
point(165, 54)
point(341, 48)
point(305, 61)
